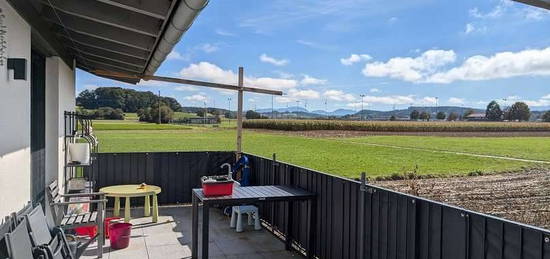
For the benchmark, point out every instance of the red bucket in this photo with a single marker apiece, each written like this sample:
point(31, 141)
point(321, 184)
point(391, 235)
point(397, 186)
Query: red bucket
point(90, 231)
point(119, 235)
point(107, 223)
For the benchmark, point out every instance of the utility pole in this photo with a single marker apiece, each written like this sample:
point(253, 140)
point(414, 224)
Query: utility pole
point(272, 110)
point(326, 110)
point(159, 108)
point(205, 112)
point(361, 112)
point(240, 113)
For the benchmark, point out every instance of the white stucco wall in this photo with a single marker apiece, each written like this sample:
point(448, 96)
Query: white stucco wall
point(60, 97)
point(15, 157)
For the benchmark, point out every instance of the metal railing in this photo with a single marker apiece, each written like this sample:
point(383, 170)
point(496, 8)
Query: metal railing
point(394, 225)
point(390, 225)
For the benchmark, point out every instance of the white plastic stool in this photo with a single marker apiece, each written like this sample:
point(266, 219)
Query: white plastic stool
point(236, 217)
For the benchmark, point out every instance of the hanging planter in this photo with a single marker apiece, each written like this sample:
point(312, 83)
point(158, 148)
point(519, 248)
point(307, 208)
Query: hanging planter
point(79, 153)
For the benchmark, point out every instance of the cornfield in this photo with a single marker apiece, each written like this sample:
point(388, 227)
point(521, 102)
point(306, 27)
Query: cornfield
point(396, 126)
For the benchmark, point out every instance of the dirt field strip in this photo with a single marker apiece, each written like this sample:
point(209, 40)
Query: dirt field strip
point(520, 196)
point(448, 152)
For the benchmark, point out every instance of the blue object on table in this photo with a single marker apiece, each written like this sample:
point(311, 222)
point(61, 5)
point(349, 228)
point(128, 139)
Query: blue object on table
point(245, 173)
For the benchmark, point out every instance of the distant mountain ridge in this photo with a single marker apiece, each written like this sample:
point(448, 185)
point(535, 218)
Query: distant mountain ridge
point(373, 114)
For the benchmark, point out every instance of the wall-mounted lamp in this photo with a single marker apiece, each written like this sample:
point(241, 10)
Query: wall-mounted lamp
point(19, 67)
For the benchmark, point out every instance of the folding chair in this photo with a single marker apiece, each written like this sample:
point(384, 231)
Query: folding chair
point(53, 241)
point(18, 242)
point(57, 215)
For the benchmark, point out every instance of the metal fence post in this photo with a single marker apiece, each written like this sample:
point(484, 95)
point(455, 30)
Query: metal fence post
point(361, 217)
point(273, 168)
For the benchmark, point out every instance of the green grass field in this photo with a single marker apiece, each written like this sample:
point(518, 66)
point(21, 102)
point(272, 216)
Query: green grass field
point(346, 157)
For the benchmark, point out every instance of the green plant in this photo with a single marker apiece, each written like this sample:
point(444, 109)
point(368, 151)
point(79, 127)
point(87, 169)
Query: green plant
point(440, 116)
point(415, 115)
point(425, 116)
point(493, 111)
point(519, 111)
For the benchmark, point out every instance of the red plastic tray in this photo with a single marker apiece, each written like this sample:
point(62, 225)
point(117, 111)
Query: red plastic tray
point(220, 187)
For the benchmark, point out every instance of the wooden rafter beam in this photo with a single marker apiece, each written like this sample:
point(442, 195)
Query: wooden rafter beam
point(186, 82)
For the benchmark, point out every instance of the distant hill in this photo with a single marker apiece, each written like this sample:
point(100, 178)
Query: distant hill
point(369, 114)
point(404, 113)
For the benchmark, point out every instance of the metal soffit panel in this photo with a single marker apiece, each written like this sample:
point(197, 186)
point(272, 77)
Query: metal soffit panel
point(114, 35)
point(539, 3)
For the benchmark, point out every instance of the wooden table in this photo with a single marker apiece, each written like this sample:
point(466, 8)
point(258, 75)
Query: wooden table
point(250, 195)
point(130, 191)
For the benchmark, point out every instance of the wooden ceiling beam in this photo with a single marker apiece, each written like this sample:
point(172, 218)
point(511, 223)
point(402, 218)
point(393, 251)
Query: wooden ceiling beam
point(187, 82)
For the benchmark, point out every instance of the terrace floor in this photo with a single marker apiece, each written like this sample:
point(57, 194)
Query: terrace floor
point(171, 238)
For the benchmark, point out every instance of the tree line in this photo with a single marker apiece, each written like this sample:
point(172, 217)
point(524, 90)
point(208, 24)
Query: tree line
point(128, 100)
point(518, 111)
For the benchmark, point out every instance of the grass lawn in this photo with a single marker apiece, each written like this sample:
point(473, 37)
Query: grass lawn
point(124, 125)
point(336, 156)
point(537, 148)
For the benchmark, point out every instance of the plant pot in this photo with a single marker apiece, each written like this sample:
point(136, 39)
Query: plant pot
point(79, 153)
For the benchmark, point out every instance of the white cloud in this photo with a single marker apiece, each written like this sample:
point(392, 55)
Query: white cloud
point(427, 100)
point(196, 98)
point(208, 48)
point(392, 20)
point(374, 90)
point(469, 28)
point(356, 105)
point(340, 96)
point(271, 60)
point(536, 13)
point(411, 69)
point(456, 100)
point(538, 103)
point(93, 87)
point(308, 80)
point(534, 62)
point(315, 45)
point(354, 58)
point(284, 99)
point(429, 67)
point(225, 33)
point(175, 55)
point(546, 96)
point(210, 72)
point(304, 94)
point(283, 74)
point(391, 99)
point(506, 8)
point(186, 88)
point(294, 95)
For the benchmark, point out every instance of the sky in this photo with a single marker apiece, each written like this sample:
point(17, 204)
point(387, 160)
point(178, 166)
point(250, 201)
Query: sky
point(348, 54)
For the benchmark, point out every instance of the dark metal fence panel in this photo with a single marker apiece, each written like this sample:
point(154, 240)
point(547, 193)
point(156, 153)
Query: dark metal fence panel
point(396, 225)
point(175, 172)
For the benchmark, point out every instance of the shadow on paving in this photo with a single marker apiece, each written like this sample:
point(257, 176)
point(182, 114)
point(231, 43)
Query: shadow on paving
point(171, 238)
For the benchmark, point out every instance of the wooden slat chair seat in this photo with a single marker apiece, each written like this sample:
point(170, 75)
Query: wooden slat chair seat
point(78, 219)
point(58, 216)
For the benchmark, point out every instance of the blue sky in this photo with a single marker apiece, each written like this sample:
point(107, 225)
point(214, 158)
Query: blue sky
point(395, 53)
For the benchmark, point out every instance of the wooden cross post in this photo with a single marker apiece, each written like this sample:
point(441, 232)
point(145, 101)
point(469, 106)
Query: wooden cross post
point(240, 88)
point(240, 112)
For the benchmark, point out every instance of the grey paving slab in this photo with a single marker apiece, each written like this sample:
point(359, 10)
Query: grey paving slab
point(171, 238)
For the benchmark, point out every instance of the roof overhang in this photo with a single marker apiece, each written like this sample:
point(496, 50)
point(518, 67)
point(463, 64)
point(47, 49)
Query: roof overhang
point(539, 3)
point(128, 36)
